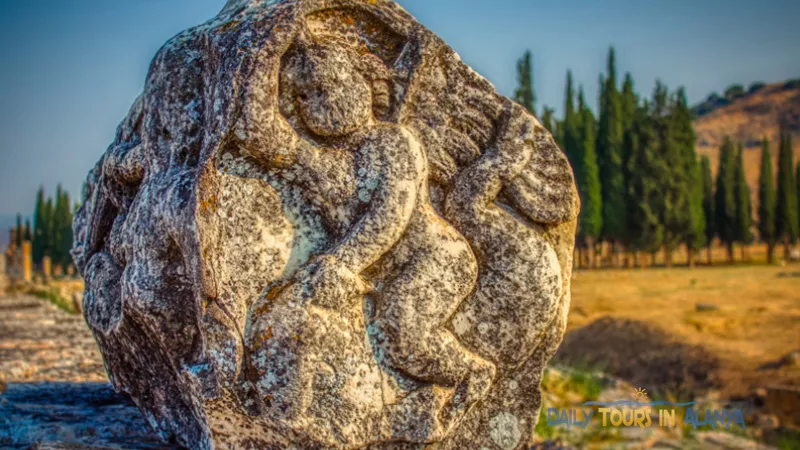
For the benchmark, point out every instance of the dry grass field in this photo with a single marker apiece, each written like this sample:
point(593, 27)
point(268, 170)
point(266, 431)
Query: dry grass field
point(718, 327)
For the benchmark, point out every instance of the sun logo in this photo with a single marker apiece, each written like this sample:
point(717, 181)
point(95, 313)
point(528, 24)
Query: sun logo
point(640, 394)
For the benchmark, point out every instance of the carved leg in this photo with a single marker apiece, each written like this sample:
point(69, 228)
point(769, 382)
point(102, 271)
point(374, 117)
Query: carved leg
point(410, 319)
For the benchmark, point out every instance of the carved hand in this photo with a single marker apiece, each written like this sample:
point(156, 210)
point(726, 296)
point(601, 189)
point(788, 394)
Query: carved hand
point(330, 284)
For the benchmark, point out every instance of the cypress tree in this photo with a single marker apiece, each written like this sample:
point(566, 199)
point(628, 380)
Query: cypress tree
point(64, 223)
point(39, 224)
point(797, 180)
point(684, 222)
point(18, 232)
point(708, 203)
point(28, 236)
point(744, 210)
point(58, 226)
point(524, 94)
point(569, 126)
point(559, 135)
point(786, 212)
point(609, 156)
point(644, 195)
point(547, 119)
point(766, 202)
point(696, 236)
point(48, 232)
point(629, 105)
point(588, 179)
point(725, 198)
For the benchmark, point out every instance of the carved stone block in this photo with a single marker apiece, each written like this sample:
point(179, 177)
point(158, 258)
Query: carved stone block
point(318, 228)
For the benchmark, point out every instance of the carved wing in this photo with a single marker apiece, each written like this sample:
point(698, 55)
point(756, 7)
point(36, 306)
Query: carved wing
point(458, 116)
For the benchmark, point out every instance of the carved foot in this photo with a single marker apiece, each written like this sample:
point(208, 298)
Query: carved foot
point(472, 389)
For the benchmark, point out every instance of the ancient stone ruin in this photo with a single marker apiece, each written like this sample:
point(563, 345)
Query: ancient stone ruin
point(318, 228)
point(17, 266)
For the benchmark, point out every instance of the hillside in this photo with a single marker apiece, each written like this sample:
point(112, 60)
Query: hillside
point(747, 119)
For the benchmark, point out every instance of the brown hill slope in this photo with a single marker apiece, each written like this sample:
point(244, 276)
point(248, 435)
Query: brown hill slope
point(748, 119)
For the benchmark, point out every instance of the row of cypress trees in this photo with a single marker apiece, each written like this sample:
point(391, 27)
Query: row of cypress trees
point(52, 227)
point(641, 184)
point(779, 206)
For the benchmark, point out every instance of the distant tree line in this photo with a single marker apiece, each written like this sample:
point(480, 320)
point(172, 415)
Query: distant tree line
point(643, 188)
point(51, 234)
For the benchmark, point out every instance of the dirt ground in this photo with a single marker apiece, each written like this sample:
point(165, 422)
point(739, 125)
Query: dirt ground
point(39, 342)
point(728, 327)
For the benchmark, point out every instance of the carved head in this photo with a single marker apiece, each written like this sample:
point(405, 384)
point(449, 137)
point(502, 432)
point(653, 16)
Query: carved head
point(334, 98)
point(336, 87)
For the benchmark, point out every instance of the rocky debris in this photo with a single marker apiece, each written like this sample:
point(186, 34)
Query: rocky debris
point(552, 445)
point(784, 403)
point(38, 342)
point(318, 228)
point(719, 440)
point(706, 307)
point(790, 360)
point(568, 388)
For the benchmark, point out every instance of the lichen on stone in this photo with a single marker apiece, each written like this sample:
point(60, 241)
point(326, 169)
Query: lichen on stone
point(318, 228)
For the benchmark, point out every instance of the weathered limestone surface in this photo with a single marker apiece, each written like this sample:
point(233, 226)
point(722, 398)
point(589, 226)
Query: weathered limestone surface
point(318, 228)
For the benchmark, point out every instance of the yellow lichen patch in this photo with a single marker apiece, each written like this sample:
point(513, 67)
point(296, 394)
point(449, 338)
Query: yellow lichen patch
point(275, 291)
point(209, 205)
point(263, 338)
point(233, 25)
point(262, 309)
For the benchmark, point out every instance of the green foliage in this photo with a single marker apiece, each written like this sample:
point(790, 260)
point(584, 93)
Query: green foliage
point(610, 158)
point(683, 218)
point(641, 183)
point(725, 199)
point(40, 227)
point(547, 119)
point(744, 210)
point(49, 218)
point(587, 176)
point(646, 169)
point(52, 235)
point(797, 180)
point(792, 84)
point(786, 212)
point(28, 236)
point(733, 92)
point(524, 94)
point(629, 107)
point(62, 228)
point(18, 232)
point(708, 198)
point(766, 197)
point(755, 87)
point(53, 295)
point(696, 236)
point(570, 139)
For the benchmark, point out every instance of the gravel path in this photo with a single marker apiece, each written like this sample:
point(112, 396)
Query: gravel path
point(54, 392)
point(39, 342)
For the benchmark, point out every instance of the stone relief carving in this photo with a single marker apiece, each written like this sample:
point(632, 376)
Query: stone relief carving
point(318, 228)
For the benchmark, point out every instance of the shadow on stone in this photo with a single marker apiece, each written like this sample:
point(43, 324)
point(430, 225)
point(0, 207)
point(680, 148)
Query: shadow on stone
point(72, 416)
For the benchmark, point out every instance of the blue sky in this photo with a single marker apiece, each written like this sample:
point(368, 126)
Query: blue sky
point(70, 69)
